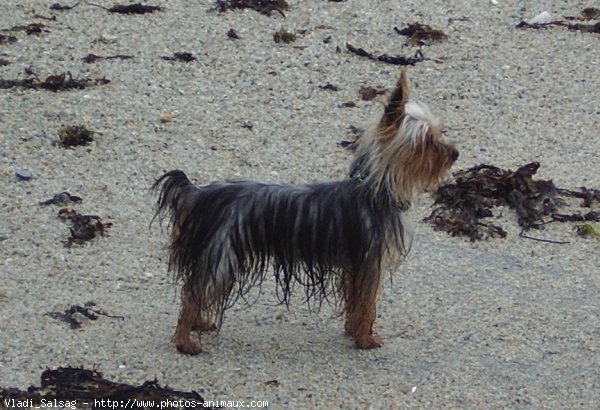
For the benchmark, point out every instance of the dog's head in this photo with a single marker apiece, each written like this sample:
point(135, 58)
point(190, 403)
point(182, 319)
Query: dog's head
point(410, 152)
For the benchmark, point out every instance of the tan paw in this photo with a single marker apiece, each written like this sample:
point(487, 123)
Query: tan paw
point(188, 347)
point(368, 342)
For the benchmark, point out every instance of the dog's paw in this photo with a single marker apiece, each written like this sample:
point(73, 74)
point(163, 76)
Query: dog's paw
point(190, 348)
point(368, 342)
point(184, 343)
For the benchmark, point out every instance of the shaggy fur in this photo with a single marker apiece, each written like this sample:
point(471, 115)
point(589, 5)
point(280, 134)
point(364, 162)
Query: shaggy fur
point(333, 239)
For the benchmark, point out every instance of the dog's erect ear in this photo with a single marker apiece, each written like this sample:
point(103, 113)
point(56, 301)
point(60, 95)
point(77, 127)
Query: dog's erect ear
point(395, 106)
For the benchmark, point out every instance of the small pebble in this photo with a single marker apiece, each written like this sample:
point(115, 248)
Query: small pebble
point(543, 18)
point(166, 117)
point(24, 174)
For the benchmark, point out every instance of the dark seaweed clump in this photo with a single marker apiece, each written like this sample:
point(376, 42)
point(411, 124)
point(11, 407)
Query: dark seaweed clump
point(85, 386)
point(462, 206)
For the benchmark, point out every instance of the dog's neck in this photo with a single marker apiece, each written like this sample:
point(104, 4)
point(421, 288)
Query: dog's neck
point(358, 173)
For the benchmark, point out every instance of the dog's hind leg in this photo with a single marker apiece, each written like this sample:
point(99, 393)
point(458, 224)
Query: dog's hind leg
point(360, 300)
point(190, 318)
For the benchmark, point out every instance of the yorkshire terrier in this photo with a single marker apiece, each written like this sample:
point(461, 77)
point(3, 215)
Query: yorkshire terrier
point(333, 239)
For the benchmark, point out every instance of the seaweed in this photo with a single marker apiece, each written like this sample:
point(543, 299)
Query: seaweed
point(524, 24)
point(41, 16)
point(91, 390)
point(284, 36)
point(421, 34)
point(588, 230)
point(84, 227)
point(33, 28)
point(329, 87)
point(462, 205)
point(354, 133)
point(584, 28)
point(587, 14)
point(590, 13)
point(588, 195)
point(7, 39)
point(87, 311)
point(232, 34)
point(92, 58)
point(266, 7)
point(55, 83)
point(60, 7)
point(62, 199)
point(370, 93)
point(135, 8)
point(180, 56)
point(384, 58)
point(577, 217)
point(74, 136)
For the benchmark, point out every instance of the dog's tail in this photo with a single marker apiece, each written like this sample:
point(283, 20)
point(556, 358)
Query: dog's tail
point(175, 192)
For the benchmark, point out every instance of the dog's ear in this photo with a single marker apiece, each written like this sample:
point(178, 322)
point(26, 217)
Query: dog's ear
point(394, 109)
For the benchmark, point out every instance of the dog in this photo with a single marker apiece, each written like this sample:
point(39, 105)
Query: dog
point(333, 239)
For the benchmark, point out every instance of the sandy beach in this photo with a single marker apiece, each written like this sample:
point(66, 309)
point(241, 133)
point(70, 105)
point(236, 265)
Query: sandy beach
point(504, 323)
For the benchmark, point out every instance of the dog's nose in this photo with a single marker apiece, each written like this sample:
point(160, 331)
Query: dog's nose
point(454, 154)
